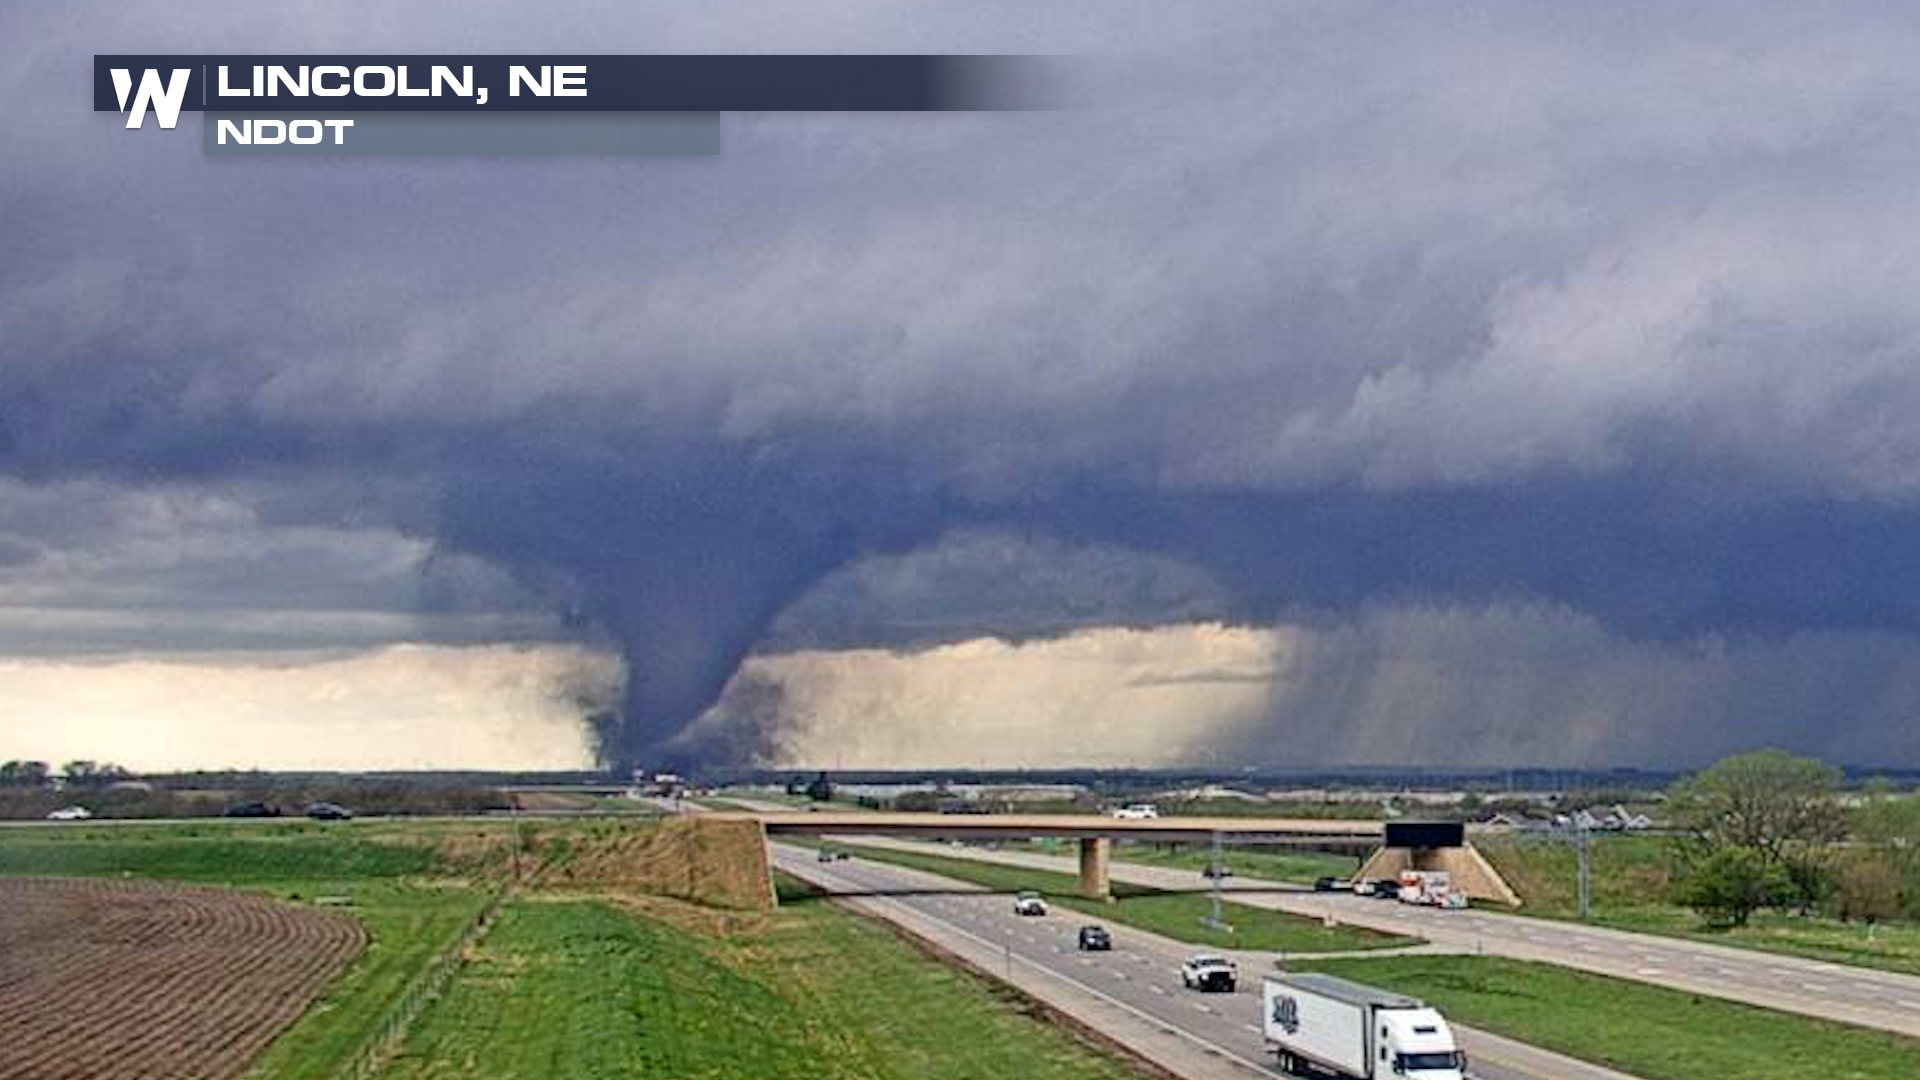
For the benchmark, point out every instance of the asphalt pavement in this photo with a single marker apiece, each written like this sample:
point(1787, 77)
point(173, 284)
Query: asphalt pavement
point(1132, 994)
point(1855, 995)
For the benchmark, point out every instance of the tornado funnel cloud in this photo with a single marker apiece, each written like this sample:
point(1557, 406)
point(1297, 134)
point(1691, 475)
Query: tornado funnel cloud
point(682, 578)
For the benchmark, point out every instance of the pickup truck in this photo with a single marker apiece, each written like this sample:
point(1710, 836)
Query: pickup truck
point(1208, 973)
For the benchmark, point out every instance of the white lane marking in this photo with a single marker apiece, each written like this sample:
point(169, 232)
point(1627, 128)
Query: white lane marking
point(1158, 989)
point(1814, 988)
point(1146, 1017)
point(1648, 971)
point(1255, 1028)
point(1203, 1008)
point(1906, 1004)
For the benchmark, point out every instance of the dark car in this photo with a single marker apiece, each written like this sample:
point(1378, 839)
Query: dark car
point(1330, 884)
point(326, 811)
point(1215, 870)
point(252, 809)
point(1095, 939)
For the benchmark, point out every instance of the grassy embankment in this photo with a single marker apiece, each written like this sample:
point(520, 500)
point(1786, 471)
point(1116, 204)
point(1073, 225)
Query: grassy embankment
point(411, 886)
point(1630, 876)
point(639, 989)
point(1646, 1031)
point(1173, 914)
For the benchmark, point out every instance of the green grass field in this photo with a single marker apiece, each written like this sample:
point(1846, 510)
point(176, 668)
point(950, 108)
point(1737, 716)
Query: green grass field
point(1300, 867)
point(1629, 888)
point(1647, 1031)
point(1175, 915)
point(229, 852)
point(587, 990)
point(408, 926)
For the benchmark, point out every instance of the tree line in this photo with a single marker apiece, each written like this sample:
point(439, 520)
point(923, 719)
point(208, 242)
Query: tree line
point(80, 773)
point(1768, 830)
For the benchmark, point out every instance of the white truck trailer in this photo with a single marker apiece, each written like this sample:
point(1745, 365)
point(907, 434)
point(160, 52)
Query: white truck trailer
point(1325, 1024)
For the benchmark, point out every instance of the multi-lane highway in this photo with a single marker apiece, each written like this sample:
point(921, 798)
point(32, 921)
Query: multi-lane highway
point(1132, 994)
point(1848, 994)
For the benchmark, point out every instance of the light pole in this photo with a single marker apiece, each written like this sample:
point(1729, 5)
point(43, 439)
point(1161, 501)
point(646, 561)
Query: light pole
point(1216, 868)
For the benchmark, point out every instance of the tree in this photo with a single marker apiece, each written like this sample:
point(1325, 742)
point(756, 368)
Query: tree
point(1888, 829)
point(1868, 890)
point(91, 773)
point(821, 790)
point(1780, 807)
point(1729, 885)
point(24, 774)
point(1889, 821)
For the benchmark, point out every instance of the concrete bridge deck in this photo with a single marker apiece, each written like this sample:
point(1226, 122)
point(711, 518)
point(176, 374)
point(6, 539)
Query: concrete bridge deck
point(1302, 831)
point(1097, 833)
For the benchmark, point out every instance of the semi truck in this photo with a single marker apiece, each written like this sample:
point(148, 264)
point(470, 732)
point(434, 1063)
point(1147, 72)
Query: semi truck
point(1322, 1024)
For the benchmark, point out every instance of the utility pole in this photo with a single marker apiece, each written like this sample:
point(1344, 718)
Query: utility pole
point(514, 812)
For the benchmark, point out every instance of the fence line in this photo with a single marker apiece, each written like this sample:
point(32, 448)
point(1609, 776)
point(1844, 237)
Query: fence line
point(421, 992)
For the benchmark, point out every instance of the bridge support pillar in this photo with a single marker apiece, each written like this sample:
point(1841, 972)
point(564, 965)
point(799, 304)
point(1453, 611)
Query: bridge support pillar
point(1096, 852)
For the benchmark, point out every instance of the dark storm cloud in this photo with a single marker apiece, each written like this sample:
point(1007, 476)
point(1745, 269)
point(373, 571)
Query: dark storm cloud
point(89, 567)
point(1327, 306)
point(979, 582)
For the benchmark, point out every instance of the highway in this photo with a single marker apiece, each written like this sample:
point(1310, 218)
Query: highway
point(1132, 994)
point(1855, 995)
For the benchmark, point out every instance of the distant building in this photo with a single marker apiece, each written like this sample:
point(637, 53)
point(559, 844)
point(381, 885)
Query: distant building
point(821, 790)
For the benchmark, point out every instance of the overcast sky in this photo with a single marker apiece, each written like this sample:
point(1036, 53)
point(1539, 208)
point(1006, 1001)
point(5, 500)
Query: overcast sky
point(1520, 382)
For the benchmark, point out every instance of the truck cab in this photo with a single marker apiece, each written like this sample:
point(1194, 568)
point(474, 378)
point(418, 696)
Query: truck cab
point(1417, 1044)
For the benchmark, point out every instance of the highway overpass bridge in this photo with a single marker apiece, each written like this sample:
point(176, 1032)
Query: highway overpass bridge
point(1394, 846)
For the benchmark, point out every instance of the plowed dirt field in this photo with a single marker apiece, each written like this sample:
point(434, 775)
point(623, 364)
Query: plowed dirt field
point(116, 979)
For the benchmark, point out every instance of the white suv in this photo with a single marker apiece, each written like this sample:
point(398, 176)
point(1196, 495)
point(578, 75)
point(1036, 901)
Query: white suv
point(1029, 903)
point(1137, 812)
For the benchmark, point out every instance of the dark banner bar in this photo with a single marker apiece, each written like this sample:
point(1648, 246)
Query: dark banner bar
point(356, 83)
